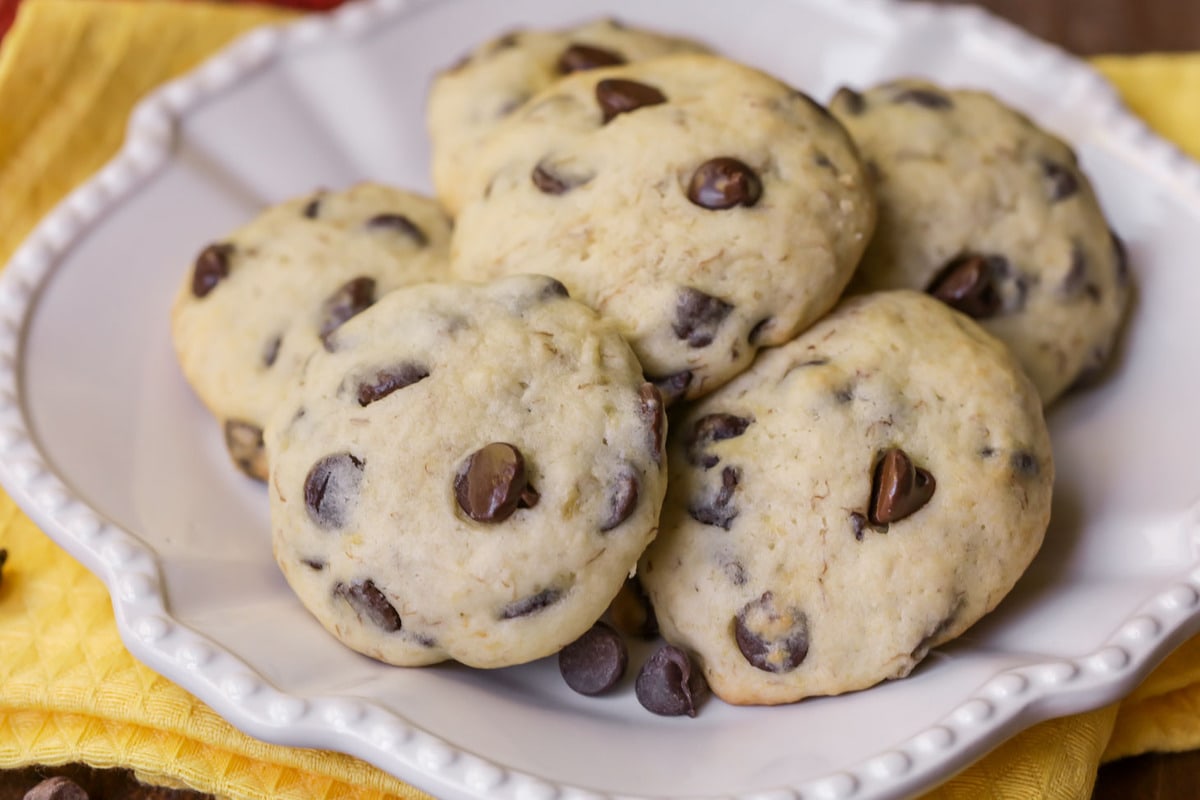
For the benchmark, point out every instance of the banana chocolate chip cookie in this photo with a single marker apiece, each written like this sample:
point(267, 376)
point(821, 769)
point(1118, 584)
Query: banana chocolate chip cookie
point(466, 472)
point(705, 206)
point(862, 494)
point(468, 100)
point(255, 304)
point(989, 213)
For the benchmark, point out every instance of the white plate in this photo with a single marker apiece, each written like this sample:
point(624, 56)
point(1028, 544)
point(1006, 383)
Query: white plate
point(104, 445)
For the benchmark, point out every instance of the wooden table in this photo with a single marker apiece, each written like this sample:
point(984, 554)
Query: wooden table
point(1084, 27)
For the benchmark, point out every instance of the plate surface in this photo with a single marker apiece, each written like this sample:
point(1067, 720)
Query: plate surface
point(104, 445)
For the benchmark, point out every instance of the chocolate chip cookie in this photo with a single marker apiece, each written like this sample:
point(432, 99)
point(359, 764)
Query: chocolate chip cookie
point(256, 303)
point(471, 98)
point(862, 494)
point(705, 206)
point(989, 213)
point(466, 472)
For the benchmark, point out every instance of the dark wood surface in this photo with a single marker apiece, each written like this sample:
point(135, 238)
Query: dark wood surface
point(1084, 27)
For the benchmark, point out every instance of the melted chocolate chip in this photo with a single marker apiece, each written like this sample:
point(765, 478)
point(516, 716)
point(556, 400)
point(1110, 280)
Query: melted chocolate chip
point(631, 613)
point(312, 209)
point(1061, 182)
point(622, 499)
point(618, 96)
point(722, 183)
point(673, 387)
point(579, 57)
point(654, 417)
point(369, 604)
point(595, 662)
point(1025, 464)
point(968, 284)
point(244, 442)
point(212, 266)
point(353, 297)
point(331, 488)
point(898, 488)
point(531, 604)
point(698, 316)
point(713, 428)
point(852, 101)
point(270, 351)
point(669, 685)
point(926, 98)
point(390, 380)
point(492, 483)
point(550, 180)
point(717, 509)
point(398, 223)
point(771, 639)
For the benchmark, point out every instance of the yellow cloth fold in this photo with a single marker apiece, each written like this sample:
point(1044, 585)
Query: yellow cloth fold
point(70, 72)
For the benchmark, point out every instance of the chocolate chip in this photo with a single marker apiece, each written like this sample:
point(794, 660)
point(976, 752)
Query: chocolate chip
point(822, 160)
point(760, 327)
point(244, 442)
point(1061, 182)
point(331, 488)
point(351, 298)
point(3, 559)
point(554, 289)
point(669, 685)
point(312, 209)
point(595, 662)
point(673, 387)
point(390, 380)
point(926, 98)
point(579, 57)
point(898, 488)
point(654, 417)
point(735, 571)
point(370, 604)
point(622, 499)
point(987, 452)
point(270, 350)
point(724, 182)
point(843, 395)
point(630, 611)
point(212, 266)
point(492, 484)
point(57, 788)
point(315, 564)
point(713, 428)
point(398, 223)
point(1121, 256)
point(716, 509)
point(698, 316)
point(550, 180)
point(531, 604)
point(967, 284)
point(858, 523)
point(619, 96)
point(852, 101)
point(771, 639)
point(1025, 464)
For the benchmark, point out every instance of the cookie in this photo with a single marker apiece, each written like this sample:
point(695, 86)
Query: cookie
point(862, 494)
point(706, 207)
point(470, 474)
point(255, 304)
point(983, 209)
point(468, 100)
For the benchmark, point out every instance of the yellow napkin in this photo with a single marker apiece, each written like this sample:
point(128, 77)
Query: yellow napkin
point(70, 71)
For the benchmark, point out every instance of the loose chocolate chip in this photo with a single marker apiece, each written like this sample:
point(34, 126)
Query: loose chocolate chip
point(351, 298)
point(1121, 255)
point(398, 223)
point(630, 611)
point(270, 350)
point(331, 487)
point(619, 96)
point(57, 788)
point(1061, 182)
point(926, 98)
point(370, 603)
point(212, 266)
point(760, 327)
point(1025, 464)
point(244, 442)
point(713, 428)
point(673, 387)
point(315, 564)
point(312, 209)
point(967, 284)
point(852, 101)
point(698, 316)
point(622, 499)
point(717, 509)
point(531, 604)
point(595, 662)
point(492, 483)
point(669, 685)
point(390, 380)
point(898, 488)
point(550, 180)
point(724, 182)
point(771, 639)
point(579, 57)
